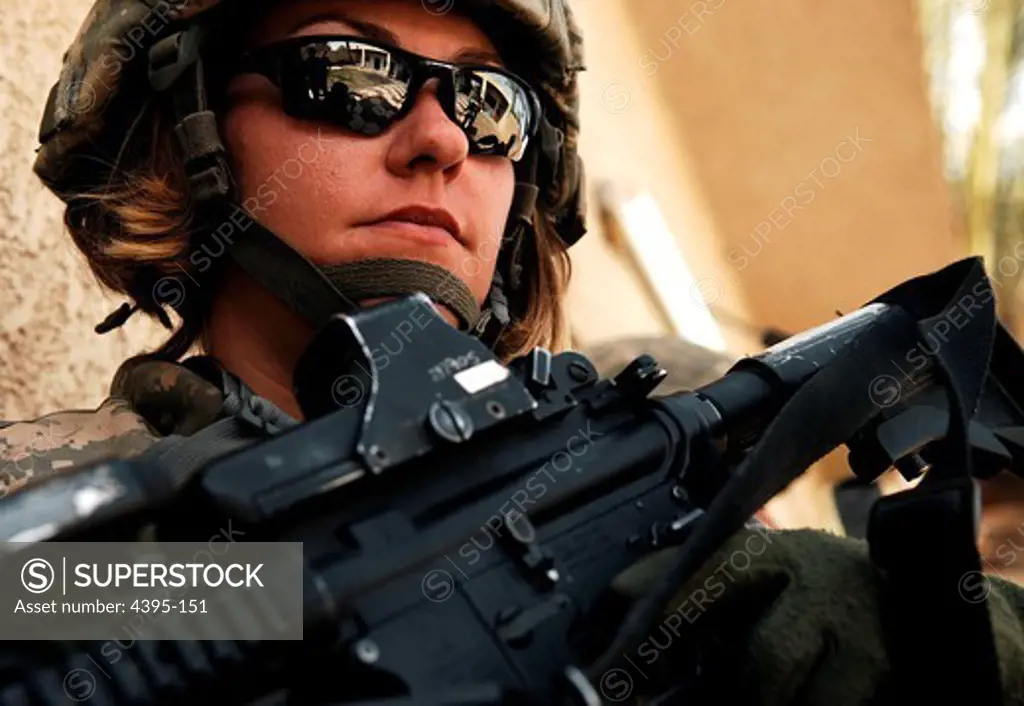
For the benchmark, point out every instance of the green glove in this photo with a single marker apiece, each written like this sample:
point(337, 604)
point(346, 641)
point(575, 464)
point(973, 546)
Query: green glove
point(797, 613)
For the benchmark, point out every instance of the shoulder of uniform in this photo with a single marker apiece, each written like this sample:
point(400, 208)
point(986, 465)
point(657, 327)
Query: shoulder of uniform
point(69, 439)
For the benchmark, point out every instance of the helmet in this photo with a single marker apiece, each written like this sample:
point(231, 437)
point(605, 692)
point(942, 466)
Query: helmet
point(128, 49)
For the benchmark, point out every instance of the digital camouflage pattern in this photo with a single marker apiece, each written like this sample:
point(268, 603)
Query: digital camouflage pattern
point(172, 398)
point(117, 34)
point(147, 401)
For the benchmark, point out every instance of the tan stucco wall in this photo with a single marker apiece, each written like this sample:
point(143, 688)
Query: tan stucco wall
point(768, 99)
point(630, 138)
point(49, 356)
point(790, 145)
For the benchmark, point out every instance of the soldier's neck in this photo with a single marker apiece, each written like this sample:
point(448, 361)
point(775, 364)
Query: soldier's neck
point(256, 337)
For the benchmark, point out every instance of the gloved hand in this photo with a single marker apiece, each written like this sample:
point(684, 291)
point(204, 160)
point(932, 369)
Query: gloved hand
point(795, 614)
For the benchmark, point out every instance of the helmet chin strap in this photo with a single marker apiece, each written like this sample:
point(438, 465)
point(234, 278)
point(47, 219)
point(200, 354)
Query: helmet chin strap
point(317, 292)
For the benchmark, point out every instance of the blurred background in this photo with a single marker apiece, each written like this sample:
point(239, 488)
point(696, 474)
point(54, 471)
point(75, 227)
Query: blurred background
point(754, 168)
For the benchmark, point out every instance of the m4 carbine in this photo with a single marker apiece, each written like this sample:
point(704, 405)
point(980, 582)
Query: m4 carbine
point(461, 520)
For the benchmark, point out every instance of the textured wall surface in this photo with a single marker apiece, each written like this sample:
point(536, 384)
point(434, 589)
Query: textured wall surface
point(49, 301)
point(808, 127)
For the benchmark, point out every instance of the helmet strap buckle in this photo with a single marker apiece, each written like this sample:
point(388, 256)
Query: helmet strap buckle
point(176, 64)
point(173, 55)
point(205, 165)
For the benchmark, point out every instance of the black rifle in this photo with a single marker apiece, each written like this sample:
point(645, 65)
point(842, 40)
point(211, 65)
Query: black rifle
point(461, 519)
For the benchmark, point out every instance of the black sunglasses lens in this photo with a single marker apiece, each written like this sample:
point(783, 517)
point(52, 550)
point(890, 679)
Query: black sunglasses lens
point(354, 85)
point(494, 110)
point(362, 87)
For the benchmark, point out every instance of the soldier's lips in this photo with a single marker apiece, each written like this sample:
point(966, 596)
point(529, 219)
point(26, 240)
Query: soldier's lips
point(426, 224)
point(418, 233)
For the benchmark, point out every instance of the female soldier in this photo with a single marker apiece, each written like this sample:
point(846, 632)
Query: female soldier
point(260, 166)
point(303, 176)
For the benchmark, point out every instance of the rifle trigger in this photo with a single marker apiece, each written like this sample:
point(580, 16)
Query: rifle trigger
point(535, 559)
point(667, 535)
point(516, 626)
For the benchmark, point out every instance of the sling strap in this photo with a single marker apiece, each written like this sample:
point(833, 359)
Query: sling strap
point(924, 540)
point(248, 419)
point(930, 660)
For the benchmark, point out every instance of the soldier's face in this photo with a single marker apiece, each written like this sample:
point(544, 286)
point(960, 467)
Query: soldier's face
point(325, 190)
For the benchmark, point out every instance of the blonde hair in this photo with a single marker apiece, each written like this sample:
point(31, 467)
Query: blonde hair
point(136, 228)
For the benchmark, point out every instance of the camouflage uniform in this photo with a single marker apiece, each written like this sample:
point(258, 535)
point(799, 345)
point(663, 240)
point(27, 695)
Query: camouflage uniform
point(147, 401)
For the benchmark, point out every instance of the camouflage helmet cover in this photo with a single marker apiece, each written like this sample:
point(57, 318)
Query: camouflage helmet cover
point(116, 35)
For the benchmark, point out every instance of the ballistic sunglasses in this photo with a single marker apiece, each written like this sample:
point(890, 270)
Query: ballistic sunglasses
point(366, 86)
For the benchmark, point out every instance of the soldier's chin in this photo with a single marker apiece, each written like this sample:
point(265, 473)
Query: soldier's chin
point(446, 313)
